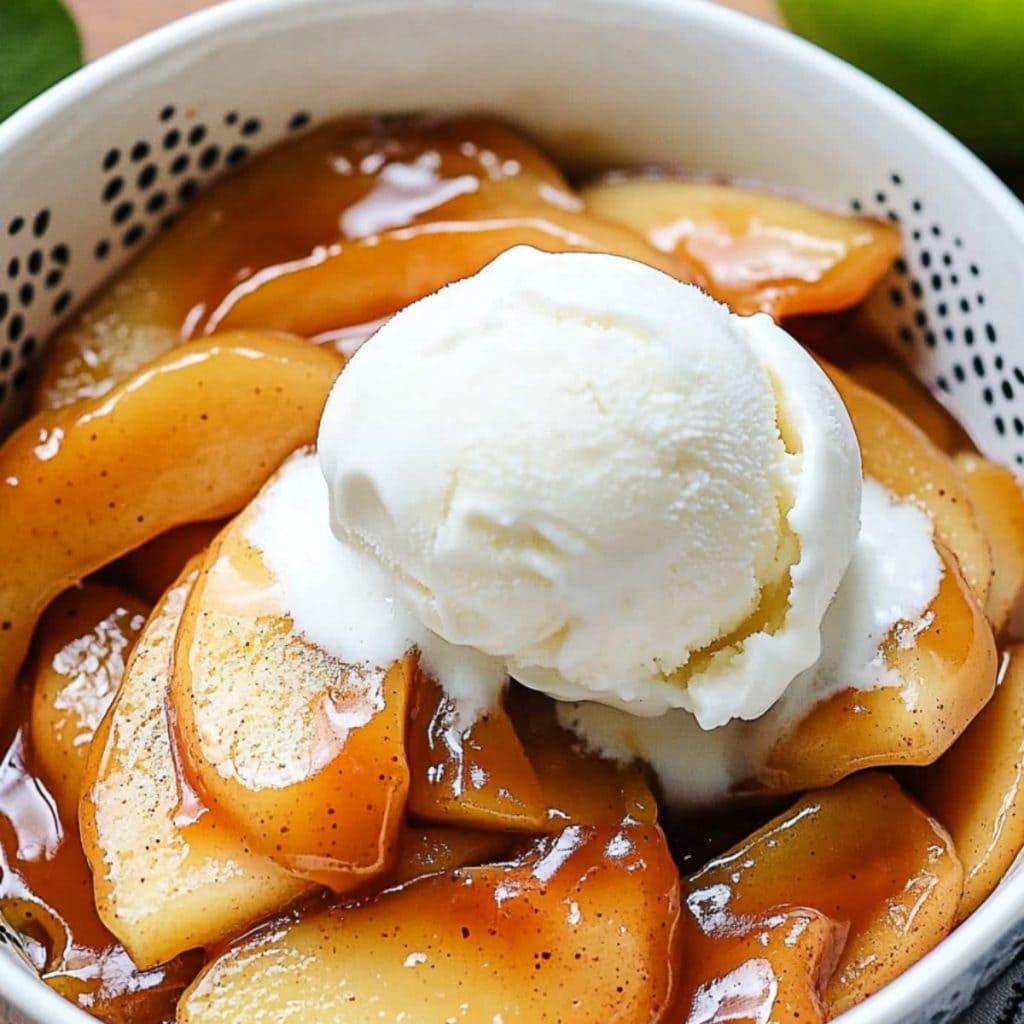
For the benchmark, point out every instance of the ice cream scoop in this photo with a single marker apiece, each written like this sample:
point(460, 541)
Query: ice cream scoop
point(601, 476)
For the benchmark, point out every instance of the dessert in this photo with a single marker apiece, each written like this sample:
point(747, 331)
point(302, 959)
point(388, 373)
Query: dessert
point(457, 595)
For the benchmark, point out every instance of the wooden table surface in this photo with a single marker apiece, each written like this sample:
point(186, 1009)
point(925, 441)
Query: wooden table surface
point(109, 23)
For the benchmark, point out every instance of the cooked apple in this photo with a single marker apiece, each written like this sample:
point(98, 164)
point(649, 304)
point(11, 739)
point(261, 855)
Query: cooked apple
point(368, 279)
point(755, 251)
point(977, 789)
point(115, 992)
point(898, 455)
point(863, 855)
point(163, 886)
point(74, 952)
point(46, 895)
point(303, 753)
point(406, 184)
point(583, 928)
point(515, 770)
point(946, 676)
point(904, 392)
point(191, 437)
point(476, 774)
point(437, 850)
point(82, 644)
point(579, 787)
point(192, 265)
point(149, 570)
point(775, 968)
point(999, 502)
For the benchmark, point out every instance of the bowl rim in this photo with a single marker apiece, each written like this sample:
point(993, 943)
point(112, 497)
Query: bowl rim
point(991, 922)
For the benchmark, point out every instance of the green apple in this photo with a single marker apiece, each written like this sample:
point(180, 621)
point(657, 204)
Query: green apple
point(962, 61)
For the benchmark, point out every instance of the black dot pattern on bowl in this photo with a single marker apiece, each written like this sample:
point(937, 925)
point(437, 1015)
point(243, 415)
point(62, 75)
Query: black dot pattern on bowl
point(145, 181)
point(34, 274)
point(936, 299)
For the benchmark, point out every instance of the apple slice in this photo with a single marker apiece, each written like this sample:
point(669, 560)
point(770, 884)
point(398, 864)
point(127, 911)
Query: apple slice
point(367, 279)
point(775, 968)
point(999, 502)
point(82, 644)
point(903, 391)
point(582, 928)
point(476, 775)
point(516, 770)
point(162, 886)
point(438, 850)
point(303, 753)
point(353, 173)
point(946, 677)
point(191, 437)
point(149, 570)
point(862, 854)
point(579, 786)
point(755, 251)
point(977, 789)
point(899, 455)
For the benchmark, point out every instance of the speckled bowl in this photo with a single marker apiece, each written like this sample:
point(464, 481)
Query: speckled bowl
point(89, 171)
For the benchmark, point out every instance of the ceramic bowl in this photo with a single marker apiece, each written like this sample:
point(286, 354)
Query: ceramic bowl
point(89, 171)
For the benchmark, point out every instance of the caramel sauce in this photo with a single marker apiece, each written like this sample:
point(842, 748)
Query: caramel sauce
point(299, 209)
point(46, 895)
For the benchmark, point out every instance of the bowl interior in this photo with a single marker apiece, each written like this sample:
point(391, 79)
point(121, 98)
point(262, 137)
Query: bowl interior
point(95, 167)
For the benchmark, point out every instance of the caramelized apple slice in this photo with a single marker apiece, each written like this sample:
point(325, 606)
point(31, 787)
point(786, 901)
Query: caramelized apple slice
point(477, 775)
point(579, 787)
point(114, 991)
point(46, 894)
point(999, 502)
point(756, 252)
point(582, 928)
point(862, 854)
point(946, 675)
point(149, 570)
point(361, 280)
point(904, 392)
point(191, 437)
point(83, 641)
point(774, 969)
point(303, 753)
point(898, 455)
point(977, 789)
point(163, 886)
point(357, 177)
point(437, 850)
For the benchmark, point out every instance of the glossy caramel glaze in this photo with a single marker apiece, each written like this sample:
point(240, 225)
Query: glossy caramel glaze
point(170, 874)
point(193, 436)
point(861, 854)
point(46, 893)
point(83, 642)
point(583, 926)
point(325, 236)
point(328, 232)
point(318, 782)
point(754, 250)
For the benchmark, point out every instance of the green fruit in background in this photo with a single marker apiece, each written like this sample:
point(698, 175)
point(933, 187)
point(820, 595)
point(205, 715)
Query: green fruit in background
point(962, 61)
point(39, 45)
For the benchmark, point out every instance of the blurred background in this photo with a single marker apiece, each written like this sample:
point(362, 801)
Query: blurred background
point(962, 61)
point(108, 23)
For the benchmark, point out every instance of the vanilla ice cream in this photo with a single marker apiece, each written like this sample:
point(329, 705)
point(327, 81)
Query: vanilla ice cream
point(600, 476)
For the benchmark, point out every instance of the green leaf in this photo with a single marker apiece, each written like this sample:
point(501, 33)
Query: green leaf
point(39, 45)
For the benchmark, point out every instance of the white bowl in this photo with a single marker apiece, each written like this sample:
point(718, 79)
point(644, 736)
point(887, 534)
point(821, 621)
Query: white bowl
point(615, 80)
